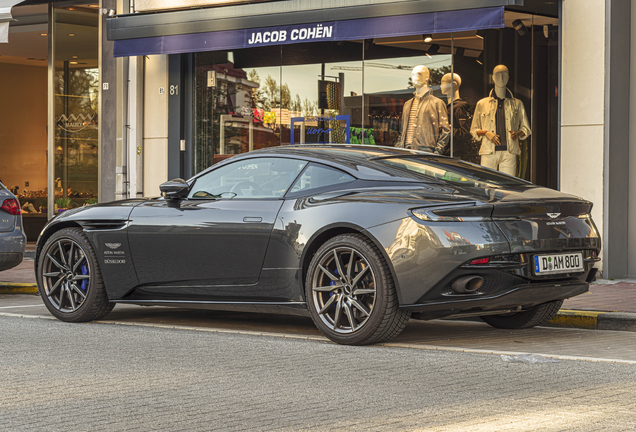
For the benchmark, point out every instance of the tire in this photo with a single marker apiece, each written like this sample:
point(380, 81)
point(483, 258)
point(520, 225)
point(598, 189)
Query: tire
point(535, 316)
point(352, 298)
point(69, 279)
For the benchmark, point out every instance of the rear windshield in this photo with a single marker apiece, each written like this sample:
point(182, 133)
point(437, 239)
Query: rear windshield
point(2, 187)
point(451, 170)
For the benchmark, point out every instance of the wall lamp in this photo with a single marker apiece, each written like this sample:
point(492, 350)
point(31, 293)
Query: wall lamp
point(520, 27)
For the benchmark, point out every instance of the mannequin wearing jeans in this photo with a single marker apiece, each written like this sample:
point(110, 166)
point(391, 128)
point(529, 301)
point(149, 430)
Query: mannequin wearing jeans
point(499, 123)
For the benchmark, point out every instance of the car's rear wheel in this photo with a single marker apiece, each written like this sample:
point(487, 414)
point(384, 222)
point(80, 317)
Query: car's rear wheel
point(350, 292)
point(535, 316)
point(69, 279)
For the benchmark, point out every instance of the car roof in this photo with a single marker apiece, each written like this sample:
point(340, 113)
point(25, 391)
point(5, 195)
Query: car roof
point(345, 151)
point(357, 160)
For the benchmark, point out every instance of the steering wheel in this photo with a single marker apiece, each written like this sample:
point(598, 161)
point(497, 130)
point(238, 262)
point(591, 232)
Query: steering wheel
point(237, 188)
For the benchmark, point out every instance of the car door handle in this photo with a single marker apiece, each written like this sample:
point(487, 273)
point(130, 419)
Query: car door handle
point(252, 219)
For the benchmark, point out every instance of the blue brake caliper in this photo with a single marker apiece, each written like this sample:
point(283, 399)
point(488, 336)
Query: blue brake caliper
point(332, 283)
point(84, 285)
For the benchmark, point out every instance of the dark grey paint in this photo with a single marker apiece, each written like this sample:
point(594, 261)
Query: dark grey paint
point(275, 14)
point(107, 119)
point(201, 242)
point(617, 93)
point(218, 253)
point(175, 115)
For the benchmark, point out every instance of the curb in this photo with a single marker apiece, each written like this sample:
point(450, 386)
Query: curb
point(621, 321)
point(18, 288)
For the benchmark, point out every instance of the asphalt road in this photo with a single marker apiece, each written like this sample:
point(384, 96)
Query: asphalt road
point(155, 369)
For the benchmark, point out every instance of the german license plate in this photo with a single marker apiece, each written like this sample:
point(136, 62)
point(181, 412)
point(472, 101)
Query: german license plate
point(558, 263)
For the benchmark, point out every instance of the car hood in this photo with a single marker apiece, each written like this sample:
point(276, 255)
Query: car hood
point(114, 210)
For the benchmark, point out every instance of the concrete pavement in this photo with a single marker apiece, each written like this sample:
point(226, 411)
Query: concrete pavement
point(59, 376)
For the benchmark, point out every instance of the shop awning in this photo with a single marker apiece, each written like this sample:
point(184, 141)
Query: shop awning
point(355, 29)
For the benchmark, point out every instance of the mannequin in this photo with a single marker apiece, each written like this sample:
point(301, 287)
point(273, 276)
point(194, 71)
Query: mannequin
point(462, 115)
point(500, 121)
point(424, 118)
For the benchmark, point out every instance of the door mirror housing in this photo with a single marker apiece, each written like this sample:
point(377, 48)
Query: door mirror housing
point(175, 189)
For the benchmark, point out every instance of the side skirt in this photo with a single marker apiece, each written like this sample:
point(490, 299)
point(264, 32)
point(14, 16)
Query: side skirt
point(283, 308)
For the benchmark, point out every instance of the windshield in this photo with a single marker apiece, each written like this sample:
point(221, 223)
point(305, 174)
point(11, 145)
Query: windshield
point(451, 170)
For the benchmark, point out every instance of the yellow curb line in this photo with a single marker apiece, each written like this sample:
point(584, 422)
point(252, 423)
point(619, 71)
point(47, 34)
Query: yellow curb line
point(18, 288)
point(575, 318)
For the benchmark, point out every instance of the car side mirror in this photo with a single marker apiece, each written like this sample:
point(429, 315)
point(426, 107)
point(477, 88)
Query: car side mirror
point(175, 189)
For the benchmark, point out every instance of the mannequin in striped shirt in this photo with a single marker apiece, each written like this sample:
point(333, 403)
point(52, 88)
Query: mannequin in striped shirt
point(424, 118)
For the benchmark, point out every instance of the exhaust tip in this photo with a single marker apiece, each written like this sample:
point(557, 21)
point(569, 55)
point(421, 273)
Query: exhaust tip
point(467, 284)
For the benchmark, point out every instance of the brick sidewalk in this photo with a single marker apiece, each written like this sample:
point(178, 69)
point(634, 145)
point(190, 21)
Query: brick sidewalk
point(24, 273)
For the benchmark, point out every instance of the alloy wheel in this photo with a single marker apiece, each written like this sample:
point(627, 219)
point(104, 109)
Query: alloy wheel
point(344, 290)
point(66, 275)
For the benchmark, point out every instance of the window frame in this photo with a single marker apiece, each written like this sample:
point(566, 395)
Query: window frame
point(244, 160)
point(317, 191)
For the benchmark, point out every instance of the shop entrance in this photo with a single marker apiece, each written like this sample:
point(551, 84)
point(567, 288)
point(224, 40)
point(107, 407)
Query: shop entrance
point(24, 116)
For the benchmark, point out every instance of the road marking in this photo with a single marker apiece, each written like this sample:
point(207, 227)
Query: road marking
point(324, 339)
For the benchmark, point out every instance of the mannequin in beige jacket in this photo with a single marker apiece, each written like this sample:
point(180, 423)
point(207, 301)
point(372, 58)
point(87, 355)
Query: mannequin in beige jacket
point(500, 139)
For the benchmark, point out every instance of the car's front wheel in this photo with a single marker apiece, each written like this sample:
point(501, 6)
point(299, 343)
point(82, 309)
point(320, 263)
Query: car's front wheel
point(69, 278)
point(350, 292)
point(534, 316)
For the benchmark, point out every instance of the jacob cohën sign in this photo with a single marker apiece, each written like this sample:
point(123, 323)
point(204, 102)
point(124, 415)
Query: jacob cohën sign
point(290, 34)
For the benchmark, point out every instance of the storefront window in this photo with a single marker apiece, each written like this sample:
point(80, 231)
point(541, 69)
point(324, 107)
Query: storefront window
point(76, 106)
point(468, 95)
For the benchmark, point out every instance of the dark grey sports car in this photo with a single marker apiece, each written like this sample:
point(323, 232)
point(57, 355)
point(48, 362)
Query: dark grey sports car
point(360, 238)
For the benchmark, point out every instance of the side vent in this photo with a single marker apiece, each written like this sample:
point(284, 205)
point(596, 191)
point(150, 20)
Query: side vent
point(103, 225)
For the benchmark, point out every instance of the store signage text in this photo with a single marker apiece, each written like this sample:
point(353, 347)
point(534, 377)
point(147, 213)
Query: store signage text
point(291, 34)
point(307, 33)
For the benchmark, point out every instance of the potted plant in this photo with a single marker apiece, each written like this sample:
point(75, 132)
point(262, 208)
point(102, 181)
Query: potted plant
point(90, 201)
point(62, 204)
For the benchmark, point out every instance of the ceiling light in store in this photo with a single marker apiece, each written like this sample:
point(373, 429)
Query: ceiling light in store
point(428, 38)
point(481, 34)
point(520, 27)
point(73, 62)
point(44, 34)
point(480, 59)
point(93, 5)
point(71, 34)
point(74, 56)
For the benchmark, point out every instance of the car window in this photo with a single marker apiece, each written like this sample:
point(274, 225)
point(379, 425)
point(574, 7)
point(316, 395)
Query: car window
point(451, 170)
point(318, 176)
point(249, 178)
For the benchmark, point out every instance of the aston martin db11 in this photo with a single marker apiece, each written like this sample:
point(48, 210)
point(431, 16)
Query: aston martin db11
point(360, 238)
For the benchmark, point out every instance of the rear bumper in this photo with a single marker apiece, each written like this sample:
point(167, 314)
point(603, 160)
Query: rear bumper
point(527, 295)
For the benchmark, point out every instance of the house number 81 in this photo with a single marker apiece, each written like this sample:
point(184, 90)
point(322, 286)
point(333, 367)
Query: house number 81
point(174, 90)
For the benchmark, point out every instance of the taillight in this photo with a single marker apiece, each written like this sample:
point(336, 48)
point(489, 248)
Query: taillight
point(11, 206)
point(458, 212)
point(479, 261)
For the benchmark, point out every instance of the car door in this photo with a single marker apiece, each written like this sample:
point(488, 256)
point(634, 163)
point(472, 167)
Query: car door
point(219, 234)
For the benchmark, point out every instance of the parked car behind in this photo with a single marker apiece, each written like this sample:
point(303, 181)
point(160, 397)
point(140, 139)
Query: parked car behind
point(12, 237)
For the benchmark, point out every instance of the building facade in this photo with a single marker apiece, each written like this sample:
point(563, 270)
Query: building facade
point(125, 95)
